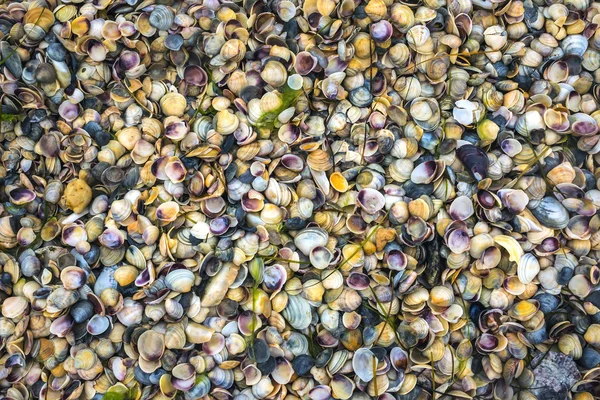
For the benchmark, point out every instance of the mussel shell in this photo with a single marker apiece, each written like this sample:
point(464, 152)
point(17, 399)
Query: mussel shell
point(12, 60)
point(474, 159)
point(550, 213)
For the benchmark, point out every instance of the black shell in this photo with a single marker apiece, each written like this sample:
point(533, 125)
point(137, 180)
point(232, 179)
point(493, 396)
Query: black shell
point(474, 159)
point(303, 364)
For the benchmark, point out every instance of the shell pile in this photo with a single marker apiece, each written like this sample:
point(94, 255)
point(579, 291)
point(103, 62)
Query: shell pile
point(288, 199)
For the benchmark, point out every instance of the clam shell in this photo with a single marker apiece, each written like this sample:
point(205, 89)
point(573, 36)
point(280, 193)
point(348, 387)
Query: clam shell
point(322, 199)
point(528, 268)
point(180, 280)
point(161, 17)
point(363, 364)
point(298, 312)
point(550, 213)
point(217, 287)
point(310, 238)
point(14, 307)
point(73, 278)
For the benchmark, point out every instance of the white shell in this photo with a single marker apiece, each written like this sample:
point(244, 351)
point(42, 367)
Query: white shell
point(310, 238)
point(362, 363)
point(528, 268)
point(298, 312)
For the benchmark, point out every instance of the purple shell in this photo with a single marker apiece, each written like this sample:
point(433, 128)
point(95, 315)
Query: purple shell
point(358, 281)
point(195, 75)
point(396, 260)
point(381, 31)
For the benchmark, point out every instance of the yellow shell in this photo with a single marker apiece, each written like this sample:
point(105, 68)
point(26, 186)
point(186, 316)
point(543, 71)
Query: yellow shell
point(274, 73)
point(511, 245)
point(421, 207)
point(385, 334)
point(354, 256)
point(46, 349)
point(248, 152)
point(592, 335)
point(319, 160)
point(441, 296)
point(40, 16)
point(65, 12)
point(110, 297)
point(524, 310)
point(80, 25)
point(563, 173)
point(376, 9)
point(175, 337)
point(338, 182)
point(173, 104)
point(85, 359)
point(570, 344)
point(279, 301)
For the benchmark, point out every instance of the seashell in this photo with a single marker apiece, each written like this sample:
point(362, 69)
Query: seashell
point(550, 213)
point(570, 345)
point(274, 74)
point(85, 359)
point(298, 312)
point(360, 97)
point(73, 278)
point(161, 17)
point(151, 345)
point(97, 325)
point(225, 122)
point(81, 311)
point(370, 200)
point(319, 160)
point(174, 309)
point(42, 17)
point(342, 387)
point(348, 301)
point(173, 104)
point(194, 187)
point(131, 313)
point(310, 238)
point(461, 208)
point(574, 45)
point(466, 112)
point(180, 280)
point(474, 159)
point(197, 333)
point(21, 196)
point(217, 287)
point(61, 299)
point(168, 211)
point(262, 388)
point(320, 257)
point(13, 307)
point(514, 200)
point(528, 268)
point(363, 364)
point(426, 172)
point(283, 372)
point(524, 310)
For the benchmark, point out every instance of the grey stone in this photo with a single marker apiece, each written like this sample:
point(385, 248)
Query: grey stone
point(554, 375)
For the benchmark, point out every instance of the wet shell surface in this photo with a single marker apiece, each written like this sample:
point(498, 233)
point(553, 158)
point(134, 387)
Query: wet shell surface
point(299, 199)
